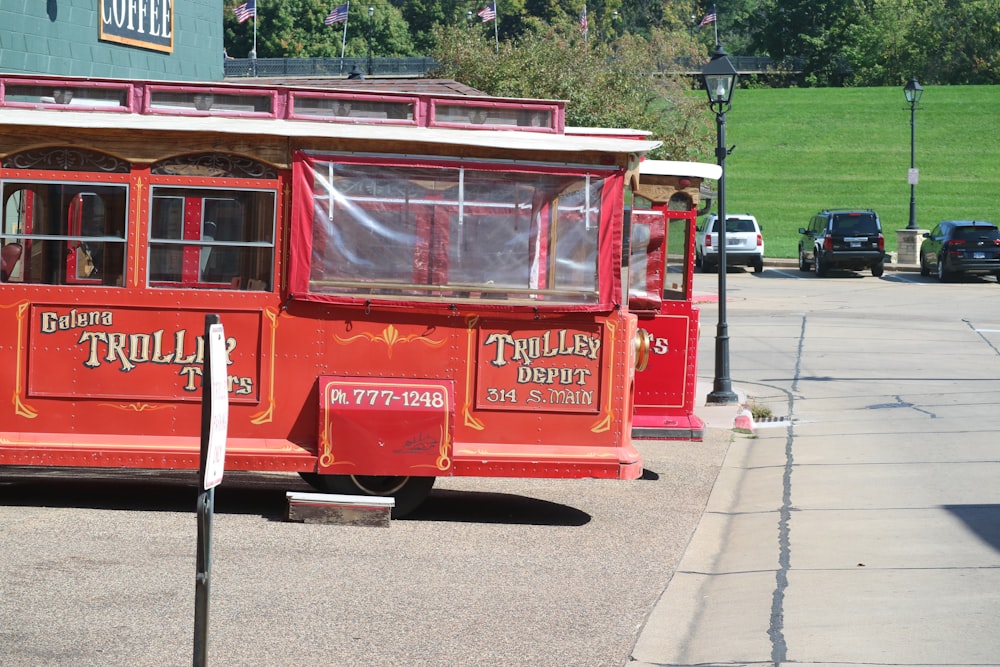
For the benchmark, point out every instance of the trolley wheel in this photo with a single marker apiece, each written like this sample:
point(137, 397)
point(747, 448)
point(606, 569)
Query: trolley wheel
point(408, 492)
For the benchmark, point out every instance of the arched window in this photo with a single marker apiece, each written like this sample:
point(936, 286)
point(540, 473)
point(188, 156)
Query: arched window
point(67, 209)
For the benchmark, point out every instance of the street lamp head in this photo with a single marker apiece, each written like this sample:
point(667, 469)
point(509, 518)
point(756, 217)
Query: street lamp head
point(719, 77)
point(913, 90)
point(371, 12)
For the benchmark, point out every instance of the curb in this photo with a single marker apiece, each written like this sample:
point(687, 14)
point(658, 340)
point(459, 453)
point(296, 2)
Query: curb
point(793, 263)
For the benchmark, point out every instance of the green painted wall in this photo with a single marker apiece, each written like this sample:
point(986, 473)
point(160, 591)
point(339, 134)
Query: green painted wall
point(63, 37)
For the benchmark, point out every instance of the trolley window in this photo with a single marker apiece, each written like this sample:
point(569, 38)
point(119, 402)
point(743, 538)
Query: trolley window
point(211, 238)
point(449, 232)
point(675, 286)
point(646, 260)
point(67, 233)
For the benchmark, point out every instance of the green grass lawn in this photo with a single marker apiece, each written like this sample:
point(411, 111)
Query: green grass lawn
point(804, 149)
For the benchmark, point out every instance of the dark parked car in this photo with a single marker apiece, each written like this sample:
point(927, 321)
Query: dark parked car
point(842, 239)
point(956, 247)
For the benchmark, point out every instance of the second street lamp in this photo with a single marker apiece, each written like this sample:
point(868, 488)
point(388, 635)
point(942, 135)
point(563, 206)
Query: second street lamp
point(719, 77)
point(913, 91)
point(371, 35)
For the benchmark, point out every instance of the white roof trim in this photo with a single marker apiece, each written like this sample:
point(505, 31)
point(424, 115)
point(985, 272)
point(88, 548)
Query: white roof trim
point(499, 139)
point(607, 131)
point(674, 168)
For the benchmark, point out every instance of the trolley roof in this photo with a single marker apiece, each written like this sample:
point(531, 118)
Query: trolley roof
point(498, 139)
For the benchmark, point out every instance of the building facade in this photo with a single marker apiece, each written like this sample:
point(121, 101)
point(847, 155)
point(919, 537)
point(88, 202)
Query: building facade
point(142, 39)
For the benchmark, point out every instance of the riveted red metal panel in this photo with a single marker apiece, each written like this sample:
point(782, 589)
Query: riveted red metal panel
point(383, 426)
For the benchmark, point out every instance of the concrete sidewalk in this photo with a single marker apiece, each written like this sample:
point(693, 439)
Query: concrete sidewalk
point(722, 422)
point(863, 528)
point(726, 417)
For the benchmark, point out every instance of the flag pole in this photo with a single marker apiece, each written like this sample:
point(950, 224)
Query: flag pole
point(716, 26)
point(343, 40)
point(255, 39)
point(496, 28)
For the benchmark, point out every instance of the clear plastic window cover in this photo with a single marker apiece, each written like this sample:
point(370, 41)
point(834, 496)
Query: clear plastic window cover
point(638, 259)
point(454, 233)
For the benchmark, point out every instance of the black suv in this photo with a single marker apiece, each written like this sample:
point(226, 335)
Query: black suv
point(843, 239)
point(955, 247)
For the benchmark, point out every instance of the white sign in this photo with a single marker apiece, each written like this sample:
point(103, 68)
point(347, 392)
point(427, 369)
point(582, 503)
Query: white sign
point(219, 426)
point(912, 176)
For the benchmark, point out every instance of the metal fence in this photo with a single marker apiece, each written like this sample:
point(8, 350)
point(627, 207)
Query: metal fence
point(293, 67)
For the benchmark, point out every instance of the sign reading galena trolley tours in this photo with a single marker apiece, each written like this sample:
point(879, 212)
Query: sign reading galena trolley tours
point(412, 285)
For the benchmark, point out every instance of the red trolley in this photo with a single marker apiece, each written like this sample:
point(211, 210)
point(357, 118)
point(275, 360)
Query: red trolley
point(411, 285)
point(664, 212)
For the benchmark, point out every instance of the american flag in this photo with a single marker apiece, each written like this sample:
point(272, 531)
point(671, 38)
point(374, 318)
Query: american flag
point(488, 13)
point(709, 18)
point(583, 21)
point(246, 10)
point(338, 15)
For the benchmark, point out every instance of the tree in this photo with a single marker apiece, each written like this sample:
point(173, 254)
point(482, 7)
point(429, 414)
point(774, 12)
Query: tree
point(611, 85)
point(295, 29)
point(812, 30)
point(970, 31)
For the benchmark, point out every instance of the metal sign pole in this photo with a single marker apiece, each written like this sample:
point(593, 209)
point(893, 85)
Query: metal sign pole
point(214, 425)
point(206, 509)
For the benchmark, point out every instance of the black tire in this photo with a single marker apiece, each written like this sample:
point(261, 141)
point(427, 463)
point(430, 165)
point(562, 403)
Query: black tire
point(878, 269)
point(924, 269)
point(943, 274)
point(803, 264)
point(408, 492)
point(821, 268)
point(699, 262)
point(758, 265)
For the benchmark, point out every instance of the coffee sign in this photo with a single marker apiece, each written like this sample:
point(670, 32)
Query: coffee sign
point(145, 23)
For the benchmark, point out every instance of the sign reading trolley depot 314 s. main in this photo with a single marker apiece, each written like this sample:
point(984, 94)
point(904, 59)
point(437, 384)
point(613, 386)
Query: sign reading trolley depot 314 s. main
point(145, 23)
point(539, 368)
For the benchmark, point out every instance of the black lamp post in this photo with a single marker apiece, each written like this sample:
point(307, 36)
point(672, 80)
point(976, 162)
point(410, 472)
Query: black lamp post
point(913, 91)
point(371, 34)
point(719, 77)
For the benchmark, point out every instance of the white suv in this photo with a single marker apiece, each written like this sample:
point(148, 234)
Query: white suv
point(744, 243)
